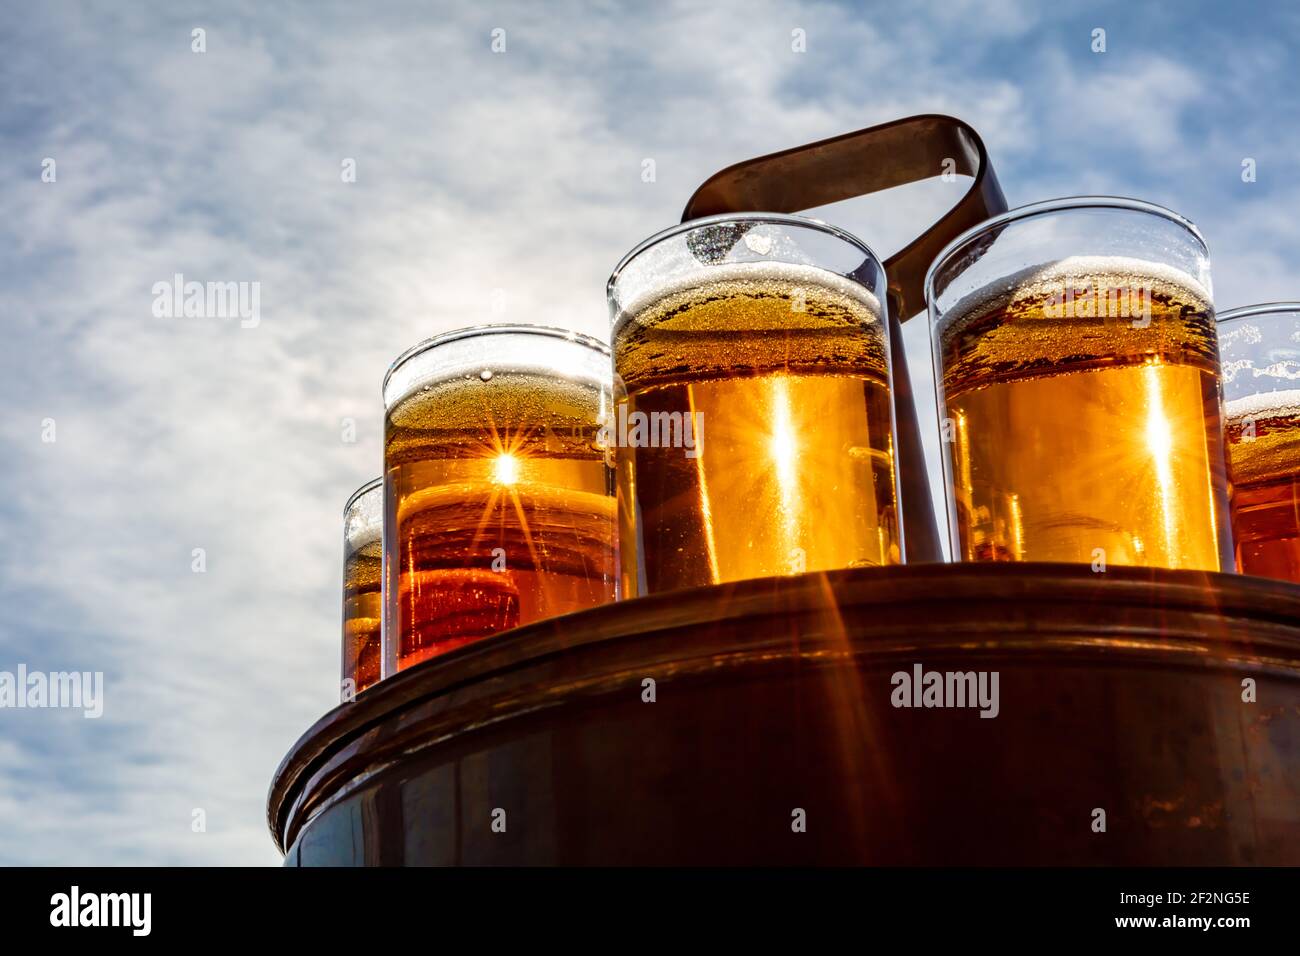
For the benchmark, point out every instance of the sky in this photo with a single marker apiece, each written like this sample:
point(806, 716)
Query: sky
point(489, 186)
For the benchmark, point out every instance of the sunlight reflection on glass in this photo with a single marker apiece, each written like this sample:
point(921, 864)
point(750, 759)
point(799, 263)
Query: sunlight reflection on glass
point(784, 450)
point(1160, 442)
point(505, 469)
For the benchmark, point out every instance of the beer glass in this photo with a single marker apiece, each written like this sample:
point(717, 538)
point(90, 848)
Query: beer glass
point(1077, 372)
point(498, 499)
point(754, 426)
point(363, 517)
point(1260, 348)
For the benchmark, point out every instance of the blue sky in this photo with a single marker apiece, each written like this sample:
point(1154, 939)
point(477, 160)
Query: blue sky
point(519, 172)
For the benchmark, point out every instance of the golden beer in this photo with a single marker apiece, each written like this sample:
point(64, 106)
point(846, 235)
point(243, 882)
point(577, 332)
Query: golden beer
point(1264, 448)
point(362, 608)
point(770, 381)
point(362, 587)
point(1084, 416)
point(500, 502)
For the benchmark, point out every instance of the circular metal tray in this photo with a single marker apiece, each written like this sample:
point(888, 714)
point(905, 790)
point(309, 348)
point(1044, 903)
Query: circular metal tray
point(774, 737)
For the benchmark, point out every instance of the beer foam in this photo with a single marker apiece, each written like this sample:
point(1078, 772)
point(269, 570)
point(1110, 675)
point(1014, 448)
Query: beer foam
point(1044, 280)
point(780, 277)
point(475, 353)
point(363, 519)
point(1264, 405)
point(461, 418)
point(358, 538)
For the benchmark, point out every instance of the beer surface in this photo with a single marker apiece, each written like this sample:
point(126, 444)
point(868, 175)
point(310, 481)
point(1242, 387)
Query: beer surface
point(1008, 332)
point(494, 411)
point(751, 318)
point(1082, 434)
point(501, 503)
point(785, 370)
point(362, 604)
point(1264, 448)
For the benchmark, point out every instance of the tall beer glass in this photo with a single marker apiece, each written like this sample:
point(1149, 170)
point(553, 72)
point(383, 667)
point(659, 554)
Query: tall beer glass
point(498, 499)
point(1260, 346)
point(1077, 374)
point(754, 426)
point(363, 518)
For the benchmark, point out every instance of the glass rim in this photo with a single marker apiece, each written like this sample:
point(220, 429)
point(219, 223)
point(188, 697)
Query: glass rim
point(1055, 205)
point(776, 218)
point(1263, 308)
point(370, 485)
point(471, 331)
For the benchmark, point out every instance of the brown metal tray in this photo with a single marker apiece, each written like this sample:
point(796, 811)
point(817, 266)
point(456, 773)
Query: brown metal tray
point(1120, 691)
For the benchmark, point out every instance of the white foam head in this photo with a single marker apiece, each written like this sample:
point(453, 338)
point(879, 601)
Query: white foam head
point(1285, 402)
point(1118, 271)
point(782, 273)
